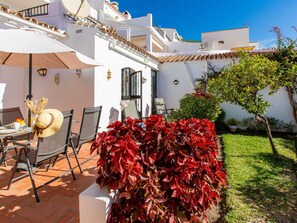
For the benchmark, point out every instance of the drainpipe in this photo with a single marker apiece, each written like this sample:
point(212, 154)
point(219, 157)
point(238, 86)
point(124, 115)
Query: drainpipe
point(31, 24)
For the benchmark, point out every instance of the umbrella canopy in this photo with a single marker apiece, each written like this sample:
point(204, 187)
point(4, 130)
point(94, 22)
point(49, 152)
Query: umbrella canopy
point(16, 45)
point(33, 48)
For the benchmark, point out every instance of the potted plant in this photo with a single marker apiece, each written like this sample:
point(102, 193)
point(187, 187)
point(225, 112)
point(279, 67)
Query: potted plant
point(165, 172)
point(233, 124)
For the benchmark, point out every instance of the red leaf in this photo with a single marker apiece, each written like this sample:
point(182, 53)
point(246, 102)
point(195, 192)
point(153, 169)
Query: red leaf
point(126, 195)
point(152, 158)
point(172, 219)
point(201, 199)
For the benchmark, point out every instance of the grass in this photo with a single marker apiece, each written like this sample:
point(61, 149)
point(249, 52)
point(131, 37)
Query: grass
point(260, 187)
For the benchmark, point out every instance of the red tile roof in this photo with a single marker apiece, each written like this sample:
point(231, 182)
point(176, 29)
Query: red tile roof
point(30, 19)
point(216, 56)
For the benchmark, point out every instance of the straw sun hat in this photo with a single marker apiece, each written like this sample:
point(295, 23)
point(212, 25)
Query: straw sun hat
point(48, 122)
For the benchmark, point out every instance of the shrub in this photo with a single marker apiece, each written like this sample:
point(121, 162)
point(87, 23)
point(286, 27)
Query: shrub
point(197, 105)
point(219, 123)
point(275, 124)
point(164, 172)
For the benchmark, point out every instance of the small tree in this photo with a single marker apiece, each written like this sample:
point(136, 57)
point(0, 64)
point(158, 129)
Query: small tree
point(240, 84)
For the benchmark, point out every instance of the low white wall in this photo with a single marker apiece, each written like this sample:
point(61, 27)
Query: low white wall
point(95, 204)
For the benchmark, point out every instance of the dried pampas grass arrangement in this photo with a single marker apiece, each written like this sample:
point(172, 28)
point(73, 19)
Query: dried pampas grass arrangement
point(36, 106)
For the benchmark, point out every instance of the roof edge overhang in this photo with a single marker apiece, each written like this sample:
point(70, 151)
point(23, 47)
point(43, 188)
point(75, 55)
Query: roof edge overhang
point(210, 56)
point(30, 22)
point(112, 36)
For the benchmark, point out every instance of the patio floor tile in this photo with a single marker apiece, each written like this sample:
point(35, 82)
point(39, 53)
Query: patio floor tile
point(59, 201)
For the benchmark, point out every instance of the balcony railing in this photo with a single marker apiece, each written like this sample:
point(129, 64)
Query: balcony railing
point(86, 19)
point(35, 11)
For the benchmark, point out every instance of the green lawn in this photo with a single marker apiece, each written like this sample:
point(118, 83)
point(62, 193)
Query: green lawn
point(260, 188)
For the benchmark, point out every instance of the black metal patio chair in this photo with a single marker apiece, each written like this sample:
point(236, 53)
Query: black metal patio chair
point(88, 131)
point(8, 116)
point(47, 149)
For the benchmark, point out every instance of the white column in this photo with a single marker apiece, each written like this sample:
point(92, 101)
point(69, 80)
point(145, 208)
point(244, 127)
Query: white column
point(149, 39)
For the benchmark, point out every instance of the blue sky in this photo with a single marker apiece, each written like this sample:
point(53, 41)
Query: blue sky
point(192, 17)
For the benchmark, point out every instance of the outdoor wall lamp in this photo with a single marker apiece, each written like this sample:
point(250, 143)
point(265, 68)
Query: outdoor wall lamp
point(42, 72)
point(143, 80)
point(175, 82)
point(108, 74)
point(78, 72)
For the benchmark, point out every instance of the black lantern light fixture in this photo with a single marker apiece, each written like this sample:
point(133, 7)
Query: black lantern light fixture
point(42, 72)
point(175, 82)
point(78, 72)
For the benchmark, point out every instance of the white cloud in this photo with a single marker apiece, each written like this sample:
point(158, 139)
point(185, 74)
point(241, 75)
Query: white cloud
point(267, 43)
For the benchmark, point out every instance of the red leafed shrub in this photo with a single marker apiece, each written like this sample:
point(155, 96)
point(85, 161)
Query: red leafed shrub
point(166, 172)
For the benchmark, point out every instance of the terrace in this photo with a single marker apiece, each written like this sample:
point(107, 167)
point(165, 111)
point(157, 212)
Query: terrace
point(59, 200)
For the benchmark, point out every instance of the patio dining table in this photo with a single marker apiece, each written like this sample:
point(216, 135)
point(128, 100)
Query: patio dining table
point(8, 134)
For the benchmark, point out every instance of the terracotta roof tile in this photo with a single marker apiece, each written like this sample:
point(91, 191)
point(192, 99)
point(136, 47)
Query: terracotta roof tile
point(196, 57)
point(30, 19)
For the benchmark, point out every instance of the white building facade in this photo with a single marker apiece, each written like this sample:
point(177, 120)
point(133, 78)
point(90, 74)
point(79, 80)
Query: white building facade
point(128, 48)
point(92, 87)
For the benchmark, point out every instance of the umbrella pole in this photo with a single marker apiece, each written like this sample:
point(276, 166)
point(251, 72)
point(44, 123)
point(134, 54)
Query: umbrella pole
point(29, 96)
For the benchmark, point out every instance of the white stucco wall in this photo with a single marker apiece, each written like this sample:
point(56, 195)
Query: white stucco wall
point(175, 47)
point(231, 38)
point(171, 93)
point(171, 33)
point(280, 107)
point(91, 89)
point(185, 73)
point(13, 87)
point(108, 93)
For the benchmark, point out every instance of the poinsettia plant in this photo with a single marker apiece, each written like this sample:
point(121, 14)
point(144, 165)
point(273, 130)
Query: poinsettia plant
point(162, 172)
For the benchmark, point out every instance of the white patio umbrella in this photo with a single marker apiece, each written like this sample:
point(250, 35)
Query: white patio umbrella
point(33, 48)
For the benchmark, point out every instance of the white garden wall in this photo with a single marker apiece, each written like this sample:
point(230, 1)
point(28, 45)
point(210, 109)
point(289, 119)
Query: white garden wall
point(187, 71)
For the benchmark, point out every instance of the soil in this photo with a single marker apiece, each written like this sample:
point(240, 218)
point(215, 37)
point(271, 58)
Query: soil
point(215, 214)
